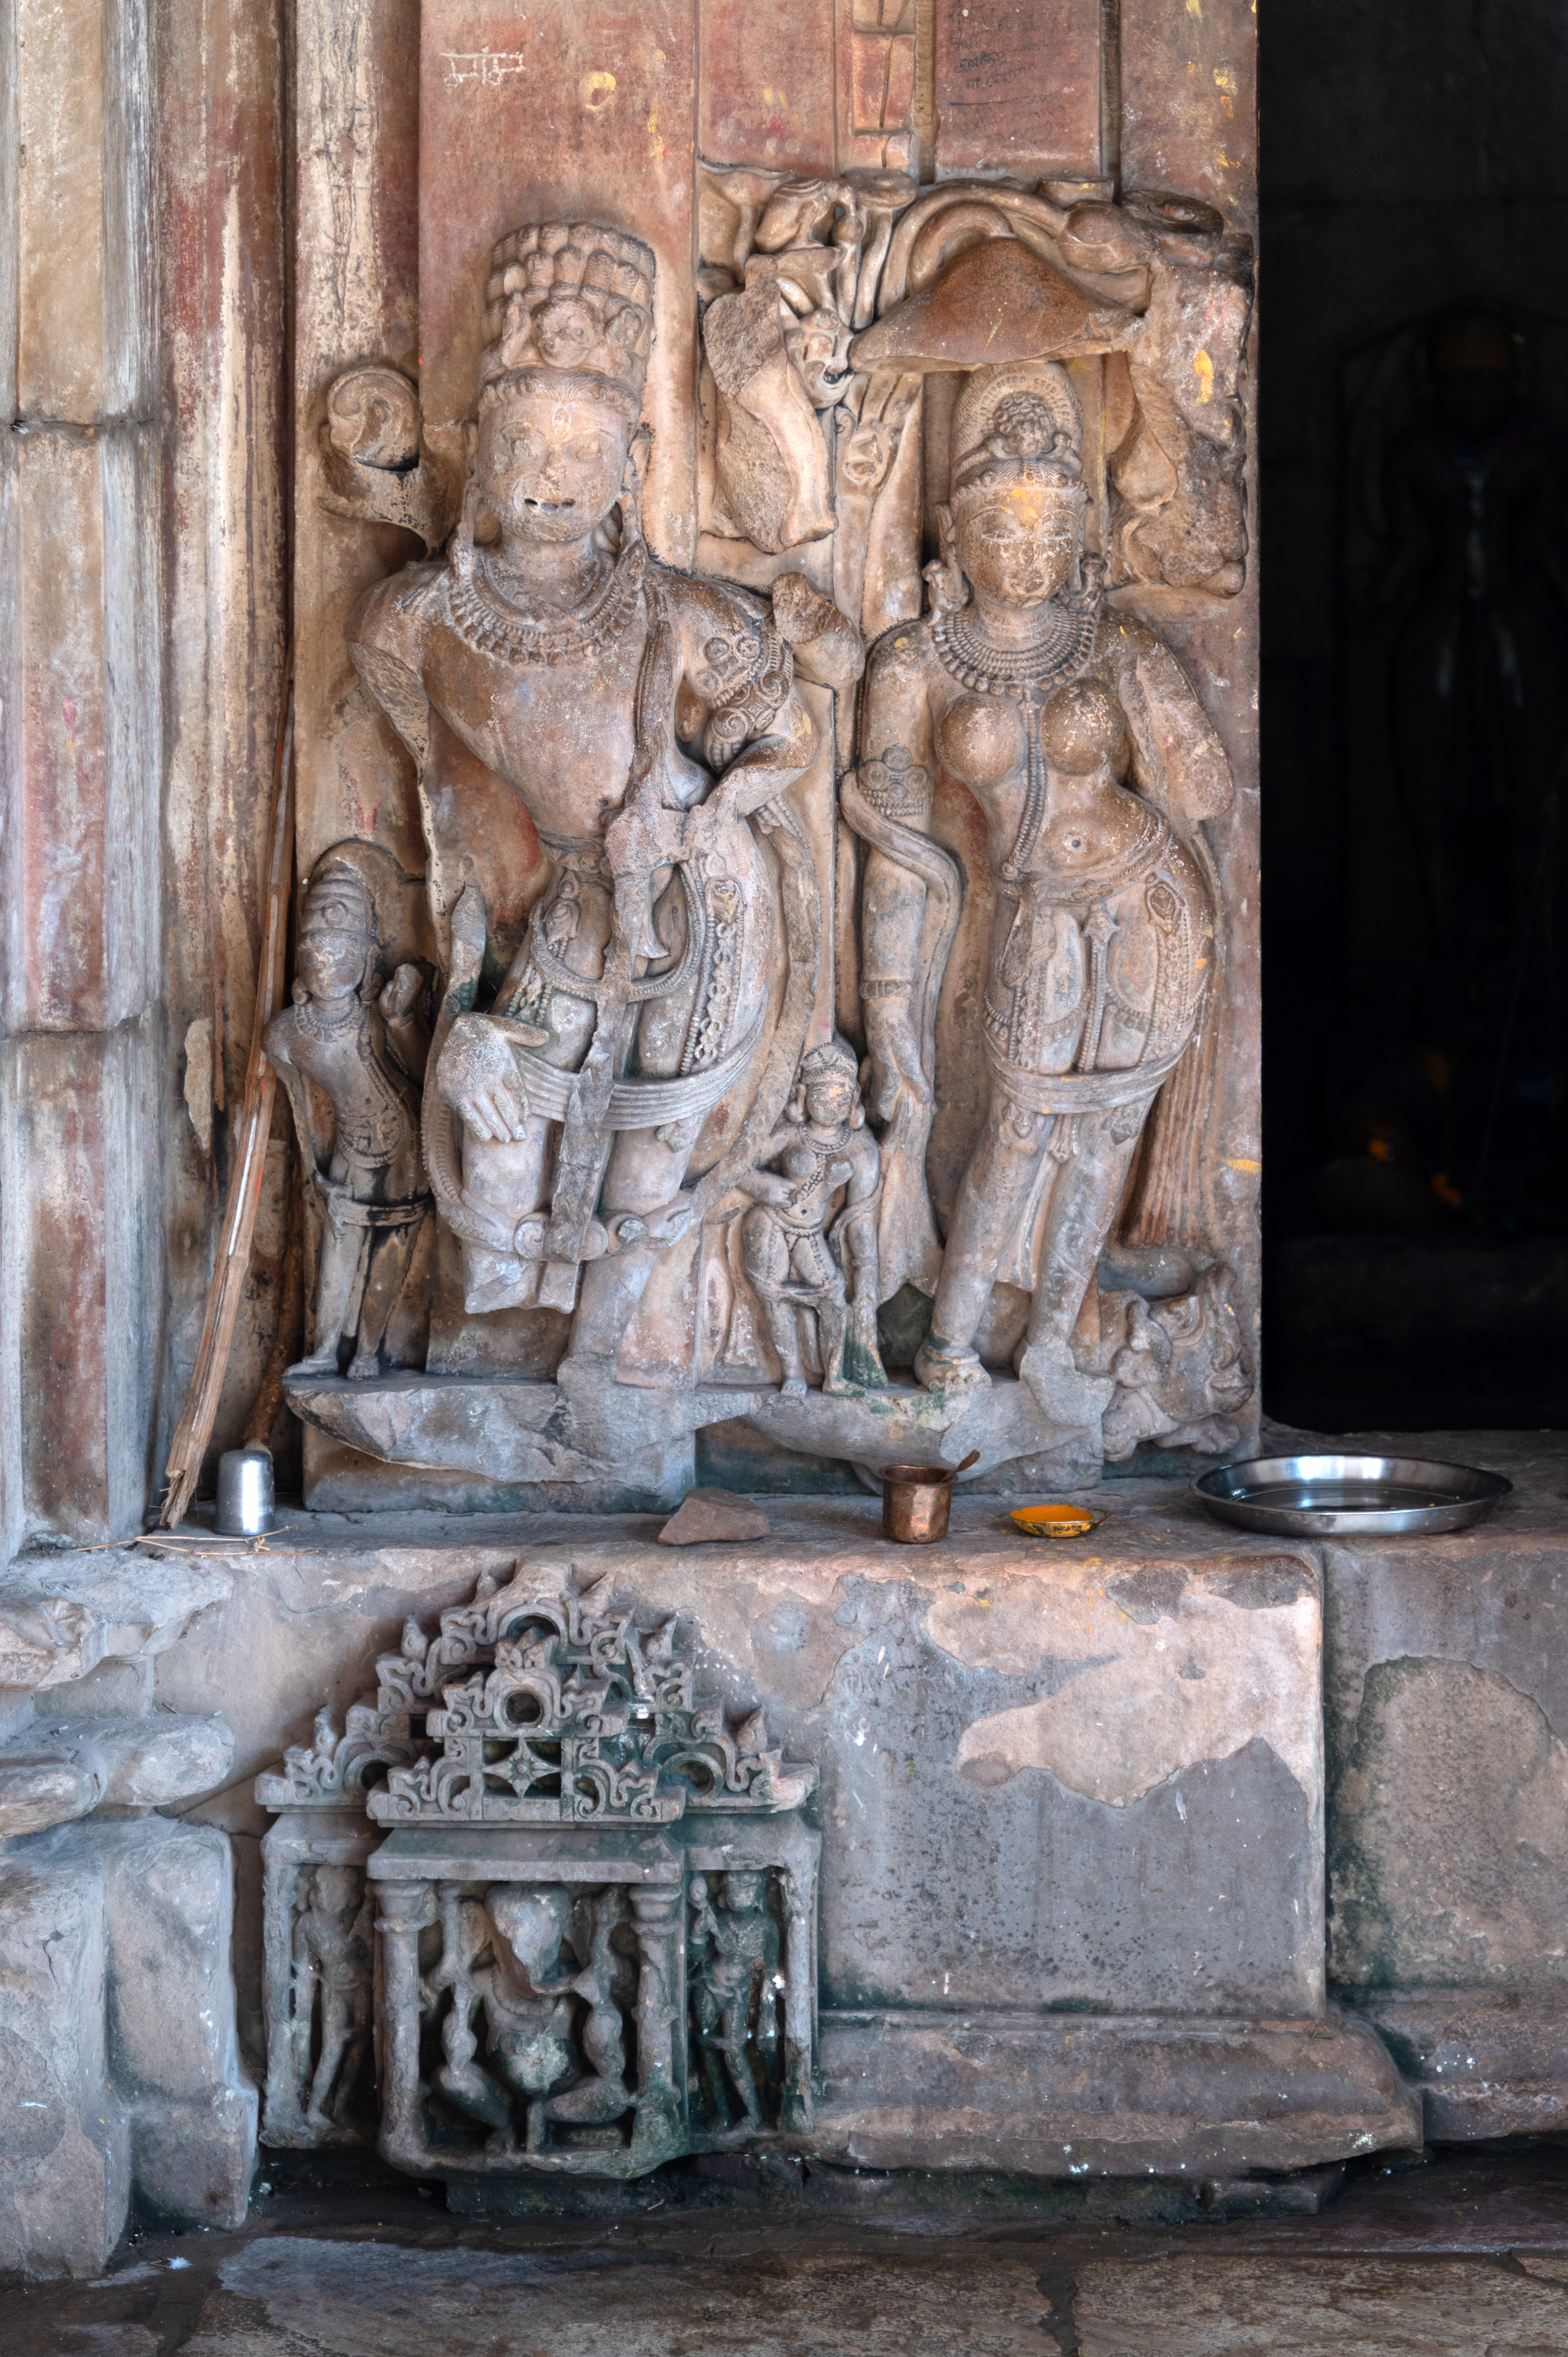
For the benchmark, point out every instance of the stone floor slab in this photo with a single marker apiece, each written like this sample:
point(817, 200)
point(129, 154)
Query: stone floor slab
point(297, 2298)
point(1201, 2307)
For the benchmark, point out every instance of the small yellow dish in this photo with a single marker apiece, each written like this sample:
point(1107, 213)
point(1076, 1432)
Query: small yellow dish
point(1055, 1521)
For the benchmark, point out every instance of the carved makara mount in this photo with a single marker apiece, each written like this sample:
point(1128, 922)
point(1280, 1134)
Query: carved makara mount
point(984, 881)
point(594, 1909)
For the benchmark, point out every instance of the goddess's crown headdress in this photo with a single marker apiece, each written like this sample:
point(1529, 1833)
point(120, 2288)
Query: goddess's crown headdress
point(1020, 422)
point(570, 298)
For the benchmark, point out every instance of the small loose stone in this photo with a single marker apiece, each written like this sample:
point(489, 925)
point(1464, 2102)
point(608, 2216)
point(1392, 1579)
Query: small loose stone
point(710, 1514)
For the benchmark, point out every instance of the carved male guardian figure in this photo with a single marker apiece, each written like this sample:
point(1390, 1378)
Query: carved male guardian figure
point(644, 719)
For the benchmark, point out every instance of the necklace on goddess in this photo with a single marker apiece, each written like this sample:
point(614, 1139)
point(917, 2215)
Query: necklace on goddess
point(492, 623)
point(1063, 645)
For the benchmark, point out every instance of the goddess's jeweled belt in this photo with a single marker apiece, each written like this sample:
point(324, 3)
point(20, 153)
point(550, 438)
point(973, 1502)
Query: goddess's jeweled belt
point(1072, 1092)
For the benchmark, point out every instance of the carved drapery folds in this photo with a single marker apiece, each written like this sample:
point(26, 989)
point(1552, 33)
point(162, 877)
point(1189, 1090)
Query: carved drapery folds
point(955, 438)
point(583, 1900)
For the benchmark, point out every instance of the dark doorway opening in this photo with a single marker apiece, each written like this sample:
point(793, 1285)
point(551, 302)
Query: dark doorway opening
point(1414, 496)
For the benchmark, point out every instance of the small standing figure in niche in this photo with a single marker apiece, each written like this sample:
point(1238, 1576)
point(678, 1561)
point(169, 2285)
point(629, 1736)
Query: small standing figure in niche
point(332, 1972)
point(362, 1046)
point(795, 1252)
point(736, 1984)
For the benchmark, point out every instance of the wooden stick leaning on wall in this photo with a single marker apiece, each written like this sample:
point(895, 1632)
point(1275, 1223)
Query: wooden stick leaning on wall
point(195, 1428)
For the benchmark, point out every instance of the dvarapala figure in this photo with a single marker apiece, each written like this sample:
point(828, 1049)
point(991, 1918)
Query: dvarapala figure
point(361, 1044)
point(644, 720)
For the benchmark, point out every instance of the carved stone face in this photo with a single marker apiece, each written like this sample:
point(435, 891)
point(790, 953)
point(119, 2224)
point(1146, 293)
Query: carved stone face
point(829, 1104)
point(550, 467)
point(337, 1890)
point(1017, 542)
point(329, 962)
point(818, 345)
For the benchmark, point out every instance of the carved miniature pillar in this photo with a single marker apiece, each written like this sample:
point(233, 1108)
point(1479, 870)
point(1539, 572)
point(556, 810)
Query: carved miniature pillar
point(800, 2003)
point(405, 1910)
point(658, 1915)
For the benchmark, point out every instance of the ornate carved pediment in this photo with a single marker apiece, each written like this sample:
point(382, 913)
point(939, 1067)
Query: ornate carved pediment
point(524, 1709)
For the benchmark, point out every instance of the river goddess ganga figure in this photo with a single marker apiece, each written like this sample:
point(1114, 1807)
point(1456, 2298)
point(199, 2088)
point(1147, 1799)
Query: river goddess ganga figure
point(644, 720)
point(1093, 762)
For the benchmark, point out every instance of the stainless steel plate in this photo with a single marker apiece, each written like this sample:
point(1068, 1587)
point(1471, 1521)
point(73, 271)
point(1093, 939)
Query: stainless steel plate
point(1349, 1497)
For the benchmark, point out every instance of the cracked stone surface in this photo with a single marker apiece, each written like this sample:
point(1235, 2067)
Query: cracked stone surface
point(1082, 1774)
point(1193, 2307)
point(297, 2298)
point(60, 1767)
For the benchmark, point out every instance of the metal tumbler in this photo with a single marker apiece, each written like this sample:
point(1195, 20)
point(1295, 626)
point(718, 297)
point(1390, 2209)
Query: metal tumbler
point(916, 1502)
point(245, 1494)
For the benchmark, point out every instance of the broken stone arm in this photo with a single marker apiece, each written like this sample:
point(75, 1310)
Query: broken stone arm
point(895, 949)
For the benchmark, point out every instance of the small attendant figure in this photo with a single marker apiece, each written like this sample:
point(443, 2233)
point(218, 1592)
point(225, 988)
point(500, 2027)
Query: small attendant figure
point(734, 1951)
point(362, 1046)
point(794, 1250)
point(332, 1970)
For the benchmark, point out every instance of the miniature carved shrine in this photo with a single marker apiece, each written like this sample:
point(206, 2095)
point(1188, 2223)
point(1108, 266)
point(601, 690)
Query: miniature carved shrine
point(584, 1904)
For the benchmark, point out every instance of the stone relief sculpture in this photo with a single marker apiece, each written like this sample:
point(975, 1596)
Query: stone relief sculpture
point(695, 886)
point(595, 1905)
point(788, 410)
point(815, 1273)
point(610, 695)
point(331, 1991)
point(1101, 935)
point(351, 1052)
point(734, 1955)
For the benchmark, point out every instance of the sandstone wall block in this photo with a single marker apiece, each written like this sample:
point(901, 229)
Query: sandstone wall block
point(118, 2061)
point(65, 2138)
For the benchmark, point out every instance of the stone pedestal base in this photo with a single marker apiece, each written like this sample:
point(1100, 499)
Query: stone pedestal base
point(1071, 1798)
point(1074, 2097)
point(117, 2051)
point(1483, 2062)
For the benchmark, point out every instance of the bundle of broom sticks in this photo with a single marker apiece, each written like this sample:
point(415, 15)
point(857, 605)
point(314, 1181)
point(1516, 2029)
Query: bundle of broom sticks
point(227, 1287)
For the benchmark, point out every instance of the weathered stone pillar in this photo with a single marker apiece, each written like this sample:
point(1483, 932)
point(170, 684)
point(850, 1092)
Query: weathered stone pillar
point(80, 485)
point(140, 576)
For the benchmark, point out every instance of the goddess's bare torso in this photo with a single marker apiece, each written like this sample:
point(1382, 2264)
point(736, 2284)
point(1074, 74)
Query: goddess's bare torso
point(1078, 860)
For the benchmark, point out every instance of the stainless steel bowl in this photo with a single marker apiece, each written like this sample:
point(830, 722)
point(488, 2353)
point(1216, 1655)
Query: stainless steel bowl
point(1349, 1497)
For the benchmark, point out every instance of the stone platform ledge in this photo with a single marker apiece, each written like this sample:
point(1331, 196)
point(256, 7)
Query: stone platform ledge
point(1084, 2096)
point(1535, 1462)
point(626, 1445)
point(1483, 2062)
